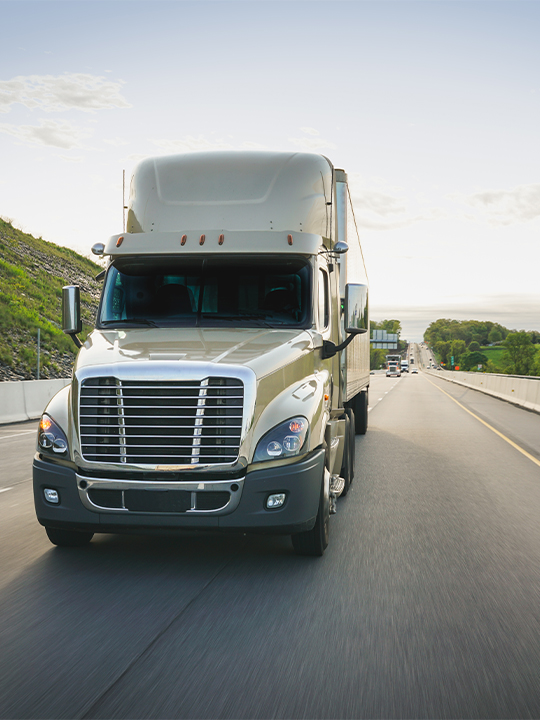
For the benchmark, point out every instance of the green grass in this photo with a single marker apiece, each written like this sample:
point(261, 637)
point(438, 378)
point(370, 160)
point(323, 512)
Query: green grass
point(32, 274)
point(493, 353)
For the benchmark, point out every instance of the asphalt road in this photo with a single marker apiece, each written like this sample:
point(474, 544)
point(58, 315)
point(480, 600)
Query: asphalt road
point(425, 604)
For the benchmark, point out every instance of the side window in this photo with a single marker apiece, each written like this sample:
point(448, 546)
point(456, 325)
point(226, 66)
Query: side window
point(323, 308)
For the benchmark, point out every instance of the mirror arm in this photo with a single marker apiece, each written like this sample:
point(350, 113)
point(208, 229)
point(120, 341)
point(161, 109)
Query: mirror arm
point(75, 339)
point(329, 349)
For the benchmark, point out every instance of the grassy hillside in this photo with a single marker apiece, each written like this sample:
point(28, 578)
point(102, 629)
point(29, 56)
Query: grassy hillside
point(32, 274)
point(494, 353)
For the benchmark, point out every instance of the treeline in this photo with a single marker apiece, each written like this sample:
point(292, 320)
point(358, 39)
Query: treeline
point(469, 343)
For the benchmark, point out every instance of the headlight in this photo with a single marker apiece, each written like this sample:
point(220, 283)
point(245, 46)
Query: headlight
point(51, 440)
point(285, 440)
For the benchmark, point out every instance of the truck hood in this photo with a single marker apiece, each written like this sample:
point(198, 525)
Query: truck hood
point(262, 350)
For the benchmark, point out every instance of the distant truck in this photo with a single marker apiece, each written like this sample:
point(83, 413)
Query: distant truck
point(404, 366)
point(393, 366)
point(228, 371)
point(393, 370)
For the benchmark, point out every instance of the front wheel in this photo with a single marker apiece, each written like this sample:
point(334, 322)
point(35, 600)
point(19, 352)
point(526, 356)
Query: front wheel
point(315, 541)
point(68, 538)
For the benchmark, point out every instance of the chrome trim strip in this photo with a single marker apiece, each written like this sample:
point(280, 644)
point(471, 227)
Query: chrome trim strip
point(192, 486)
point(121, 422)
point(199, 415)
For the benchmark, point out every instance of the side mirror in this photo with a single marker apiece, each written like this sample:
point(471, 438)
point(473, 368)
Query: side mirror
point(356, 309)
point(356, 318)
point(71, 312)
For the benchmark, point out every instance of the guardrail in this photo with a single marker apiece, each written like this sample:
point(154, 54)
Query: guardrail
point(518, 389)
point(26, 399)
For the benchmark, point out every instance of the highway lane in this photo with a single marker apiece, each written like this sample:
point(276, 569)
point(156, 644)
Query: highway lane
point(425, 604)
point(15, 442)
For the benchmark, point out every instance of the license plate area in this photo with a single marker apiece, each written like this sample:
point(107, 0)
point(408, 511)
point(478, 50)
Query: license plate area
point(166, 501)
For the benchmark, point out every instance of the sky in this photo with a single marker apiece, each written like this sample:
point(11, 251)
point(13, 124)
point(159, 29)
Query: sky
point(431, 106)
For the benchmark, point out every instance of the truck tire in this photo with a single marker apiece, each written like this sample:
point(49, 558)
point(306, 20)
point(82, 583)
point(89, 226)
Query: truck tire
point(315, 541)
point(68, 538)
point(347, 468)
point(360, 408)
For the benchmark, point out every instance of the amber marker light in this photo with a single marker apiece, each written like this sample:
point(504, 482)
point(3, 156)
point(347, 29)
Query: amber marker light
point(45, 424)
point(289, 239)
point(203, 238)
point(183, 240)
point(120, 241)
point(221, 239)
point(296, 426)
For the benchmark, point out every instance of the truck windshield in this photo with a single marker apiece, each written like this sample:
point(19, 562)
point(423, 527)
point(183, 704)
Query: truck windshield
point(262, 291)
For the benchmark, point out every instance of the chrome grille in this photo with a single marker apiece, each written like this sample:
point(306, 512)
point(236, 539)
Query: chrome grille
point(161, 423)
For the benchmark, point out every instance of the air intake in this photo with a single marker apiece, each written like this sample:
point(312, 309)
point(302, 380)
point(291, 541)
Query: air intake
point(161, 423)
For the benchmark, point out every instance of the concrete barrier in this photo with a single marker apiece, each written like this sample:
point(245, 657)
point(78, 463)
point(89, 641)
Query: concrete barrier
point(26, 400)
point(517, 389)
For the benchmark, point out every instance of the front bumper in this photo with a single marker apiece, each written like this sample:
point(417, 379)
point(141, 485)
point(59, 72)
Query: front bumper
point(245, 509)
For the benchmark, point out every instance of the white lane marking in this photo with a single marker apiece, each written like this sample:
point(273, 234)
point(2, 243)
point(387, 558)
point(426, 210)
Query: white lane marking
point(5, 489)
point(27, 432)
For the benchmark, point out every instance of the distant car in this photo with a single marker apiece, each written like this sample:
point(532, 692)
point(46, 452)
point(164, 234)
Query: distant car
point(414, 371)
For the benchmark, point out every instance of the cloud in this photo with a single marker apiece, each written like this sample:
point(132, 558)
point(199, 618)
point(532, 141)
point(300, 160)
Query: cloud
point(312, 144)
point(382, 204)
point(192, 144)
point(380, 210)
point(117, 142)
point(200, 143)
point(504, 207)
point(73, 159)
point(62, 92)
point(248, 145)
point(54, 133)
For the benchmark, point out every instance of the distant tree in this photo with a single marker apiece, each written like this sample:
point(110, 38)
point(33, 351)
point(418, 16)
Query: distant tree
point(495, 336)
point(377, 358)
point(491, 367)
point(520, 354)
point(457, 349)
point(474, 346)
point(470, 360)
point(391, 326)
point(446, 330)
point(442, 349)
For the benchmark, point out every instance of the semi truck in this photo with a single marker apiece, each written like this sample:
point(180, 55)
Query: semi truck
point(227, 374)
point(393, 366)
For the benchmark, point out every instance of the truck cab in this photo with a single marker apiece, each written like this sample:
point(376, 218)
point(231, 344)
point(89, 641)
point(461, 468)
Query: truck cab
point(228, 370)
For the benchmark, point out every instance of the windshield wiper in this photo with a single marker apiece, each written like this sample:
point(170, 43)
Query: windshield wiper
point(130, 321)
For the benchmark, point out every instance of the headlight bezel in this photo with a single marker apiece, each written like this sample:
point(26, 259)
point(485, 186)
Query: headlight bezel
point(51, 439)
point(288, 439)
